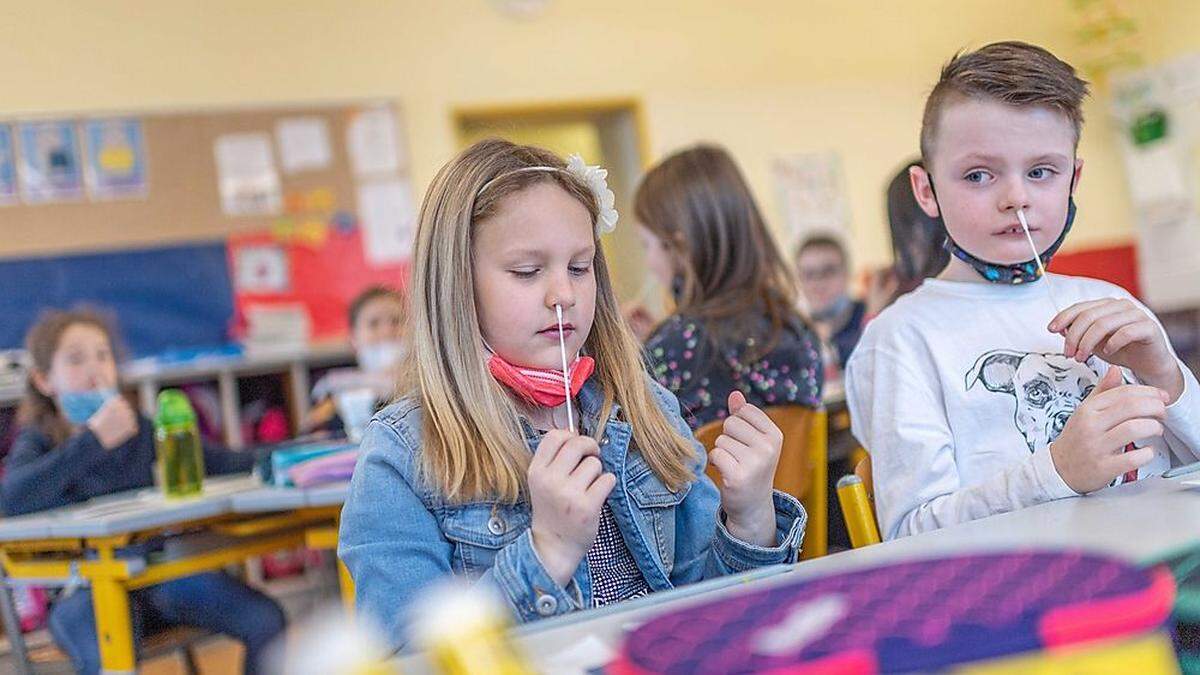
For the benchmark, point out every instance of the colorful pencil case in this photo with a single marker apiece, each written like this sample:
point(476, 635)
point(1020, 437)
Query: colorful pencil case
point(283, 459)
point(924, 615)
point(1185, 567)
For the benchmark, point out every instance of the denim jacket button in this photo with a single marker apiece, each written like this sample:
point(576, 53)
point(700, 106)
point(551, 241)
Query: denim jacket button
point(496, 525)
point(604, 441)
point(546, 604)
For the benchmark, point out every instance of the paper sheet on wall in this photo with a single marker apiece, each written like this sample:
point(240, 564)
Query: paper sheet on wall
point(387, 217)
point(8, 167)
point(50, 167)
point(373, 143)
point(303, 144)
point(246, 175)
point(115, 158)
point(812, 194)
point(261, 269)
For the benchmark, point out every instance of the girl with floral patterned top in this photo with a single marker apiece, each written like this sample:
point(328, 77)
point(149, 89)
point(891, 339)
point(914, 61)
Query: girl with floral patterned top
point(735, 326)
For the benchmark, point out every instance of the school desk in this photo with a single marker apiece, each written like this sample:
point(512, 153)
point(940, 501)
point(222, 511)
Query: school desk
point(1137, 522)
point(236, 518)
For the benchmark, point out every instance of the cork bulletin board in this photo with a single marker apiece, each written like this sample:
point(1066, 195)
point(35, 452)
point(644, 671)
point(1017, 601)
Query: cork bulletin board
point(182, 201)
point(167, 259)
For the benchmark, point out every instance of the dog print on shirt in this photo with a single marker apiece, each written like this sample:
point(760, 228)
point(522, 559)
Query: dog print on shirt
point(1047, 389)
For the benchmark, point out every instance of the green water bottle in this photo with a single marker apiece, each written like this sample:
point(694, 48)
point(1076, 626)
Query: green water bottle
point(177, 442)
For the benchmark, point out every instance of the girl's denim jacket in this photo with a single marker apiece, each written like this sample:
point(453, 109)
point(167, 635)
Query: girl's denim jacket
point(398, 534)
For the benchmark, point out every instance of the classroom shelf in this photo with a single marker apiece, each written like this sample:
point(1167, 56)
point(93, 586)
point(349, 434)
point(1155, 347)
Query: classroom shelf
point(149, 377)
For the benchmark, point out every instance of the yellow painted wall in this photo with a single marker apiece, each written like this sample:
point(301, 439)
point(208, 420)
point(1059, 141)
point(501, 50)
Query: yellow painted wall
point(761, 76)
point(1169, 27)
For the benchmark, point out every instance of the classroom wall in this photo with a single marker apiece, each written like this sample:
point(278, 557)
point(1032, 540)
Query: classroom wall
point(762, 76)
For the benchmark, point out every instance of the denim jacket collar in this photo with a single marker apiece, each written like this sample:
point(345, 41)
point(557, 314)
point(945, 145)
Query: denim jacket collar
point(590, 400)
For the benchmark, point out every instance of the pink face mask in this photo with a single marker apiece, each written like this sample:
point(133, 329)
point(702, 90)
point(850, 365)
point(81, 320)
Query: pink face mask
point(541, 386)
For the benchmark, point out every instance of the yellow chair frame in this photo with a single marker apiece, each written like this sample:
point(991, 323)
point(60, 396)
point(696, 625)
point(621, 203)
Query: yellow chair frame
point(856, 494)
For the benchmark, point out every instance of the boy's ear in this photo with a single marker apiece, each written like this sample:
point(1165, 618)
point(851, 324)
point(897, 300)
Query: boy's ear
point(41, 383)
point(1078, 174)
point(923, 191)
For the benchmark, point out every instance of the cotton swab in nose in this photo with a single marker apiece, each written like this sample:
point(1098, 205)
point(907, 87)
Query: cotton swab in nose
point(562, 346)
point(1037, 257)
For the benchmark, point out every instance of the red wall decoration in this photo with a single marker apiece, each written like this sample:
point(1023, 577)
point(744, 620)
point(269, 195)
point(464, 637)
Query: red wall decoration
point(1115, 264)
point(324, 273)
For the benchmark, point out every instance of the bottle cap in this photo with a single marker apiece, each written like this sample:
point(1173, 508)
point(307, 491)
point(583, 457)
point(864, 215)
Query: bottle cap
point(173, 409)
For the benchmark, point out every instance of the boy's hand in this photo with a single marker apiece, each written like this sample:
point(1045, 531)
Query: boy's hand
point(567, 489)
point(1090, 452)
point(746, 454)
point(114, 423)
point(1122, 334)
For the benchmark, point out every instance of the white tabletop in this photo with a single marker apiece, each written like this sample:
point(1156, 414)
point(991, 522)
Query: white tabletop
point(145, 509)
point(270, 498)
point(1138, 521)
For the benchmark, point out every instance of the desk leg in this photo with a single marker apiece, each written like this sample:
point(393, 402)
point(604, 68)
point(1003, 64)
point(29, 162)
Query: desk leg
point(114, 625)
point(110, 606)
point(12, 625)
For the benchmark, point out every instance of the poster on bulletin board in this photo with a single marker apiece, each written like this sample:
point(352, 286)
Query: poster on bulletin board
point(811, 189)
point(388, 220)
point(261, 269)
point(115, 157)
point(286, 267)
point(50, 169)
point(246, 176)
point(374, 144)
point(8, 166)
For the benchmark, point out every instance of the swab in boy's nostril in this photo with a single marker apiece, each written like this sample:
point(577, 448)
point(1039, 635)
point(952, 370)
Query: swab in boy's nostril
point(1037, 257)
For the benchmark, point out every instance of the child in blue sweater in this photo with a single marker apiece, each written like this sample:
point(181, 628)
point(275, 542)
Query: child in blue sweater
point(81, 439)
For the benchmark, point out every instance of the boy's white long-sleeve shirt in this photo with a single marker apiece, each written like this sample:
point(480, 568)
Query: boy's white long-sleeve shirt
point(958, 389)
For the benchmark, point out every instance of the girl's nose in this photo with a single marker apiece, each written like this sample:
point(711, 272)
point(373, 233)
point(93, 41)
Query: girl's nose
point(560, 292)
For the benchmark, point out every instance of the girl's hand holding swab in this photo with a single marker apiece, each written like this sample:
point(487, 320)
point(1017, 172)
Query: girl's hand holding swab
point(1123, 334)
point(746, 454)
point(567, 489)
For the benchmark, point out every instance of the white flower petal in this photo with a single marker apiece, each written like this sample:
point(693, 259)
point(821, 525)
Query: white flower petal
point(596, 179)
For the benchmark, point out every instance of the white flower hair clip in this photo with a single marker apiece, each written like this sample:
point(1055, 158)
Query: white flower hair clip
point(596, 178)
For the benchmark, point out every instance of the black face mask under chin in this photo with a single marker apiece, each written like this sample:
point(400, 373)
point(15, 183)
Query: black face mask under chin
point(1017, 273)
